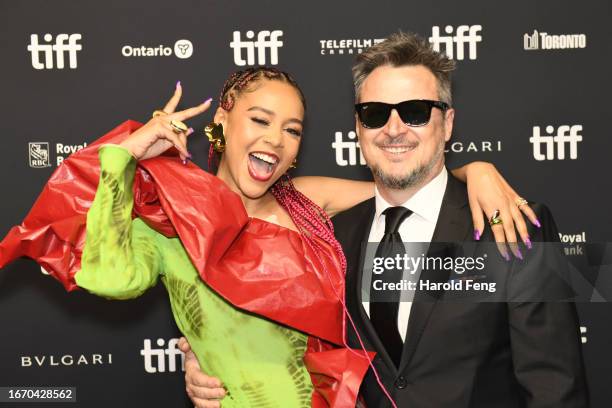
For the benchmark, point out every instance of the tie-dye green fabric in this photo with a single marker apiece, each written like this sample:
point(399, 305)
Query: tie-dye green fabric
point(259, 361)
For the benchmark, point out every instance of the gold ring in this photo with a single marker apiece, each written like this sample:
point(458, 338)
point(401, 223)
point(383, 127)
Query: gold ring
point(178, 127)
point(495, 219)
point(520, 201)
point(158, 113)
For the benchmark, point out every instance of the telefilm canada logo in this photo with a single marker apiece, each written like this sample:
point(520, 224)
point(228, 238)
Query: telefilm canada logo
point(266, 43)
point(166, 357)
point(558, 143)
point(181, 49)
point(52, 53)
point(39, 153)
point(458, 42)
point(347, 46)
point(544, 41)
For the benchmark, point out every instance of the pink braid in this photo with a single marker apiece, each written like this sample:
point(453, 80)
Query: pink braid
point(311, 220)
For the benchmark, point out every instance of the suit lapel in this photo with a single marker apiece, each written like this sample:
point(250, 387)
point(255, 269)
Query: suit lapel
point(453, 225)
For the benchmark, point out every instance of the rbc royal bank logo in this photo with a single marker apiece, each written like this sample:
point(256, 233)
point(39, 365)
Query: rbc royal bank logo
point(455, 45)
point(39, 154)
point(560, 137)
point(64, 44)
point(266, 40)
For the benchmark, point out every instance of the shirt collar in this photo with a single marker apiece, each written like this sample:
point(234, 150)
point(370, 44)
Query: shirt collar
point(426, 202)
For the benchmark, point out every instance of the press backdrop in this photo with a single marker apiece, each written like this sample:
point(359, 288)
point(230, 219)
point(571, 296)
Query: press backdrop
point(531, 93)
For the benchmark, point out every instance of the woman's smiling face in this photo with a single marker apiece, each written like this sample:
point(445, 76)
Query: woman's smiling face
point(262, 133)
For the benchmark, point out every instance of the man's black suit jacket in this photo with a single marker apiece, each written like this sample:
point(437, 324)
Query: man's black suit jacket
point(489, 355)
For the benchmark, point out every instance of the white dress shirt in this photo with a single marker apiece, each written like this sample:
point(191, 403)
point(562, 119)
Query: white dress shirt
point(419, 227)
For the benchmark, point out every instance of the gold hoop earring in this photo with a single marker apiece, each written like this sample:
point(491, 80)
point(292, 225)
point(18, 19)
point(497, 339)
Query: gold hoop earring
point(214, 133)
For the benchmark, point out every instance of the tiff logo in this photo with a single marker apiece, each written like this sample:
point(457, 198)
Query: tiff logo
point(265, 40)
point(455, 44)
point(564, 134)
point(64, 43)
point(155, 358)
point(341, 147)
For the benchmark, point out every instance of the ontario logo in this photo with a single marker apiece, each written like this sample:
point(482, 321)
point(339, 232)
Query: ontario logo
point(182, 49)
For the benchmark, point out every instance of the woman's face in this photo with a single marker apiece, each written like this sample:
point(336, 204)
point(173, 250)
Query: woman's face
point(262, 134)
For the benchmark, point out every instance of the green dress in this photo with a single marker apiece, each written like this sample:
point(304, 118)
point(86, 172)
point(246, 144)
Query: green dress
point(260, 362)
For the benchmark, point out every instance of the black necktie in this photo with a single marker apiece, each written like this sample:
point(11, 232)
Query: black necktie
point(384, 305)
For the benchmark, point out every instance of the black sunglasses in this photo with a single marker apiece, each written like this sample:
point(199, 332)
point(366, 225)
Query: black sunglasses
point(416, 112)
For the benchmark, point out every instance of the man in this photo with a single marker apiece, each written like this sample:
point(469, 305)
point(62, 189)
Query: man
point(433, 353)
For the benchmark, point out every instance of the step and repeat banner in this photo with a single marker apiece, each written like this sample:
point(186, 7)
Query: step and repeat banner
point(531, 94)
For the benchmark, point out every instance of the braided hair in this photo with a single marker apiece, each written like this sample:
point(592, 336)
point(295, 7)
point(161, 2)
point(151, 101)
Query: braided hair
point(310, 219)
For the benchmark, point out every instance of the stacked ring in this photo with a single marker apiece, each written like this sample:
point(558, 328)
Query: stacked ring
point(178, 127)
point(158, 113)
point(520, 201)
point(495, 219)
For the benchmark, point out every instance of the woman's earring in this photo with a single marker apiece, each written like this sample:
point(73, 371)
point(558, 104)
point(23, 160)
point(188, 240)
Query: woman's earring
point(214, 132)
point(293, 164)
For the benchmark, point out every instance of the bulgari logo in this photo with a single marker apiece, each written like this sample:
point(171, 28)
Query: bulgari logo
point(66, 360)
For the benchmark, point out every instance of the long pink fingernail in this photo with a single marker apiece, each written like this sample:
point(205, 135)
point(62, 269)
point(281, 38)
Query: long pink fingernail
point(189, 131)
point(476, 235)
point(537, 223)
point(178, 83)
point(208, 100)
point(528, 242)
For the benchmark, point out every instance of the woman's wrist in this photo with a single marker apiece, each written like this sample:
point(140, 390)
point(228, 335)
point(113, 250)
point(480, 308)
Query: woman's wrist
point(477, 168)
point(125, 145)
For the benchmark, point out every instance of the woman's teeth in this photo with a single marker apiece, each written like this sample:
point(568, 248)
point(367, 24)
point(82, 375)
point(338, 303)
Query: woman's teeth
point(265, 157)
point(262, 165)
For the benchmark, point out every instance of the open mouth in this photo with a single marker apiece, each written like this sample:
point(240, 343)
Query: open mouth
point(262, 165)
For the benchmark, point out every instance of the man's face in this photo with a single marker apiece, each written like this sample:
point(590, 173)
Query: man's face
point(402, 156)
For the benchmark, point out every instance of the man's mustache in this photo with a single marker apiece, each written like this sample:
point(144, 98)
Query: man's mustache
point(398, 142)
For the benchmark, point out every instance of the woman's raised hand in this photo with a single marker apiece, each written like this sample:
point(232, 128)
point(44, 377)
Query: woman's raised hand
point(158, 135)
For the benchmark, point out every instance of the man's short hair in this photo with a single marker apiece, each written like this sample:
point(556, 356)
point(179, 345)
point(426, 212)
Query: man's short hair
point(405, 49)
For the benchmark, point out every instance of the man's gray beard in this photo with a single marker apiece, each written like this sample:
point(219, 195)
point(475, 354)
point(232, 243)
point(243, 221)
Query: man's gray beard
point(414, 178)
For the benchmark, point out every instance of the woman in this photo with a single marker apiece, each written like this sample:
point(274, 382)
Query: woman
point(254, 274)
